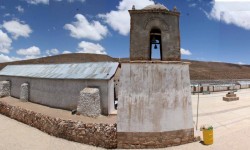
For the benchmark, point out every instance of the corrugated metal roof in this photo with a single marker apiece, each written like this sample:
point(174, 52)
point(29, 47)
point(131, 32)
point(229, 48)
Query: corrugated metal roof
point(96, 70)
point(243, 82)
point(224, 85)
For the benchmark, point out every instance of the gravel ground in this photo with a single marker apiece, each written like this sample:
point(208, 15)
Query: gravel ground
point(18, 136)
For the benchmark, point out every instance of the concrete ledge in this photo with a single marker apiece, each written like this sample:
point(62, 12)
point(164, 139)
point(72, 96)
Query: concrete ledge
point(96, 134)
point(156, 61)
point(132, 140)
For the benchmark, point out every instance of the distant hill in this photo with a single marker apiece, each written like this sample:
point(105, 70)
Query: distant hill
point(217, 70)
point(63, 58)
point(198, 70)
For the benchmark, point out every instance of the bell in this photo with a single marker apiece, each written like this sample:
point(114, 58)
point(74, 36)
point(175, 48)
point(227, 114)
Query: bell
point(155, 47)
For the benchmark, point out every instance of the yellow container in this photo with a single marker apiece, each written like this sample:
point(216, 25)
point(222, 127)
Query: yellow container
point(208, 137)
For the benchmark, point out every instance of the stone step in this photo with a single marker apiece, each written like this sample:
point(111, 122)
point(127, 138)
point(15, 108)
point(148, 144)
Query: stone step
point(230, 98)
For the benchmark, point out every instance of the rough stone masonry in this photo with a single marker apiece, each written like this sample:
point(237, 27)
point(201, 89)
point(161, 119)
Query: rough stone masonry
point(24, 94)
point(89, 103)
point(96, 134)
point(4, 88)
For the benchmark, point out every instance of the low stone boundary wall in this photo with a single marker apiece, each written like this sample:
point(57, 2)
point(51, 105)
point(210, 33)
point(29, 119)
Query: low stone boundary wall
point(101, 134)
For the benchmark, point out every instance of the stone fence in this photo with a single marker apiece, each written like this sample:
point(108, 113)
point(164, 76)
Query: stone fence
point(96, 134)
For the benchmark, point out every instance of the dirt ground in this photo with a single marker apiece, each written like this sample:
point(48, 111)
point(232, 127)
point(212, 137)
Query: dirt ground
point(18, 136)
point(57, 113)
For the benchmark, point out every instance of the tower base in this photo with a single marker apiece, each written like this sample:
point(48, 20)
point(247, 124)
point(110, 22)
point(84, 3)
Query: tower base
point(154, 108)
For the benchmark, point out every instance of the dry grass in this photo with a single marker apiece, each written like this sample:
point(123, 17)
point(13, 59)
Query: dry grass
point(216, 70)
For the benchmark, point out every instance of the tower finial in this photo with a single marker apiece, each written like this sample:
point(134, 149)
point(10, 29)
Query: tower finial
point(175, 9)
point(133, 7)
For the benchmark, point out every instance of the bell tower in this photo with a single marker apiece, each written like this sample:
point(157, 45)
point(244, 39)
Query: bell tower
point(154, 28)
point(154, 100)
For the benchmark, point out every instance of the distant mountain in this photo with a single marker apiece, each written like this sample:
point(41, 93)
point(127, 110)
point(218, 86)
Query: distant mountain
point(63, 58)
point(198, 70)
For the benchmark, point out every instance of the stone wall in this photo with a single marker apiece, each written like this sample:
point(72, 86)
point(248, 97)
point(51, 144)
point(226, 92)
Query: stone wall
point(4, 88)
point(102, 135)
point(154, 139)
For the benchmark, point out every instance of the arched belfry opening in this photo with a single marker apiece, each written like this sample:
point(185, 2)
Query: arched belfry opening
point(155, 44)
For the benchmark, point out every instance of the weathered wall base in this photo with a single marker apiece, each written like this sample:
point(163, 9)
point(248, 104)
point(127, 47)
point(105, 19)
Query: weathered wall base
point(102, 135)
point(154, 139)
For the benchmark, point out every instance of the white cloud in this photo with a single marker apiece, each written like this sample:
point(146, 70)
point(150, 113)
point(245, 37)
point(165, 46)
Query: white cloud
point(5, 58)
point(32, 51)
point(31, 57)
point(17, 28)
point(119, 19)
point(232, 0)
point(67, 52)
point(7, 15)
point(232, 12)
point(71, 1)
point(185, 52)
point(192, 5)
point(35, 2)
point(53, 51)
point(88, 47)
point(20, 9)
point(241, 63)
point(5, 42)
point(82, 28)
point(2, 7)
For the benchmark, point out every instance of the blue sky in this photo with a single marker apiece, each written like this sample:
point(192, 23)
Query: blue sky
point(210, 30)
